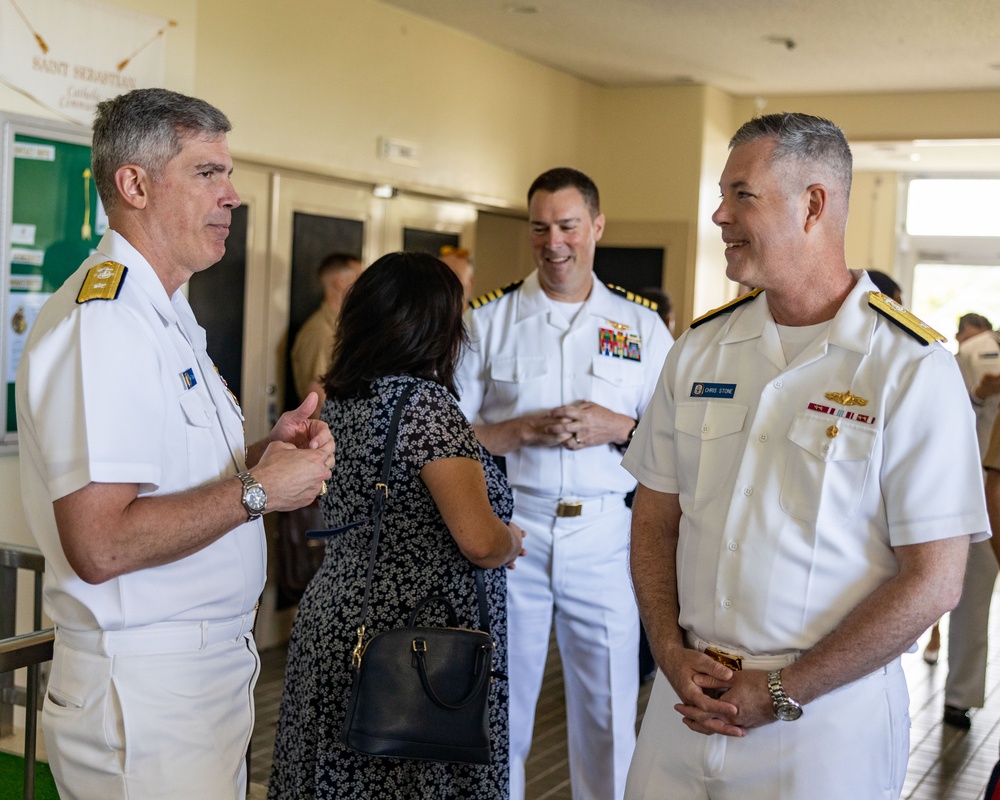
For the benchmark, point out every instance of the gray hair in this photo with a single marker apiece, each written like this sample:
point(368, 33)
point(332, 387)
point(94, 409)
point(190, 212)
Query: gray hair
point(804, 138)
point(144, 127)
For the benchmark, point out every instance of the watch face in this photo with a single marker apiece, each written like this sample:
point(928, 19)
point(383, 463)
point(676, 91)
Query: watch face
point(256, 498)
point(787, 712)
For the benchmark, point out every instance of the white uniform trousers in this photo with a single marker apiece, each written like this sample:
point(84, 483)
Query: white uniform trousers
point(150, 725)
point(968, 630)
point(576, 568)
point(851, 743)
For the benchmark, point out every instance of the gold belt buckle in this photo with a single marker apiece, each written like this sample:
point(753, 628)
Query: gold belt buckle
point(574, 509)
point(733, 662)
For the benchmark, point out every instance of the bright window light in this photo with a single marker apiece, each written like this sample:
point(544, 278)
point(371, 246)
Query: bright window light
point(953, 207)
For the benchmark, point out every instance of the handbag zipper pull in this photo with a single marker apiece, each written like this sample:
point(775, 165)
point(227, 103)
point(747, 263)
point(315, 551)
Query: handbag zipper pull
point(356, 655)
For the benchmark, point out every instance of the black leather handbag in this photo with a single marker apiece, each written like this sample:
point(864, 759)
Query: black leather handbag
point(419, 692)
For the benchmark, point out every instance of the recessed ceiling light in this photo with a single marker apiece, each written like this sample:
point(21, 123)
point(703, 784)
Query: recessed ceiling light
point(517, 8)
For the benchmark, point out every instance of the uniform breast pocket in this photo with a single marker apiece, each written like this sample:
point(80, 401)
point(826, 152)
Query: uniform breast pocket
point(199, 416)
point(615, 382)
point(825, 475)
point(509, 376)
point(708, 440)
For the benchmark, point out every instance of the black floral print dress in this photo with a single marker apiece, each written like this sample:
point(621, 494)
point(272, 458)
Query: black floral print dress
point(417, 557)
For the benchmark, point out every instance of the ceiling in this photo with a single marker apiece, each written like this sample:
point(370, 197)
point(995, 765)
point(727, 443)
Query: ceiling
point(757, 49)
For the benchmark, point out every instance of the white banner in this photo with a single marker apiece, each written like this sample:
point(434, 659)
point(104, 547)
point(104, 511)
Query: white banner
point(68, 55)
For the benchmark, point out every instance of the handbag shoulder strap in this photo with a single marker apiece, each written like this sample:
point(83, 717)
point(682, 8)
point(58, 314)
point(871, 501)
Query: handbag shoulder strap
point(380, 497)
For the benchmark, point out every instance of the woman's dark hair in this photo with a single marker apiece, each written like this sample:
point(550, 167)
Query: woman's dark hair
point(403, 316)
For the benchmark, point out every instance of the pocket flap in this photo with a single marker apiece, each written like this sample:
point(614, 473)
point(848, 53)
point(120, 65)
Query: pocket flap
point(515, 370)
point(851, 442)
point(710, 419)
point(194, 409)
point(617, 371)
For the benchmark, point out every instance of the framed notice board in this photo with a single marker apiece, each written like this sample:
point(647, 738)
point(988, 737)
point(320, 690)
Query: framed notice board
point(50, 220)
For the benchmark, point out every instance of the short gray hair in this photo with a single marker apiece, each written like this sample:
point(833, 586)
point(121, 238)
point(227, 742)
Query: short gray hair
point(802, 137)
point(144, 127)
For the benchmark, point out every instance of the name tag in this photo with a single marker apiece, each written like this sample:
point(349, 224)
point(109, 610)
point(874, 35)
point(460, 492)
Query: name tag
point(717, 390)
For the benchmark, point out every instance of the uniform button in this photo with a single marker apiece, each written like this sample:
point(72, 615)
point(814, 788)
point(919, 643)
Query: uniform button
point(733, 546)
point(826, 448)
point(762, 438)
point(727, 603)
point(704, 428)
point(778, 384)
point(748, 490)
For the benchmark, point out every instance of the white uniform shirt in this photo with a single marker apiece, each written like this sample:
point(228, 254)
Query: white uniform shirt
point(525, 357)
point(979, 356)
point(102, 396)
point(792, 502)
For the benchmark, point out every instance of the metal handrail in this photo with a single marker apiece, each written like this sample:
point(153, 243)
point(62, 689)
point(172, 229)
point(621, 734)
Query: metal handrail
point(22, 651)
point(27, 650)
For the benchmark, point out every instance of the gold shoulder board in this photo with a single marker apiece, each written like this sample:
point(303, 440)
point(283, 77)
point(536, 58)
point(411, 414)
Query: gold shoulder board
point(495, 294)
point(732, 304)
point(652, 305)
point(902, 317)
point(103, 282)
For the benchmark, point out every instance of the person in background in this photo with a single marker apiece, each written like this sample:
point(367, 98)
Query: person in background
point(664, 305)
point(136, 481)
point(886, 285)
point(448, 510)
point(459, 261)
point(808, 486)
point(968, 629)
point(314, 341)
point(559, 370)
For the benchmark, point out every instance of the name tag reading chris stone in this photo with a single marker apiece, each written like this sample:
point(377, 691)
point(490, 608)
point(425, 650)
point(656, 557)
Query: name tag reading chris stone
point(718, 390)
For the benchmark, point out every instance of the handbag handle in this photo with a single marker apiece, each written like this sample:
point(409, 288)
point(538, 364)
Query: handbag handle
point(452, 617)
point(420, 648)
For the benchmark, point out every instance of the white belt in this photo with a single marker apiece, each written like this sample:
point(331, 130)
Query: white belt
point(568, 507)
point(163, 637)
point(734, 659)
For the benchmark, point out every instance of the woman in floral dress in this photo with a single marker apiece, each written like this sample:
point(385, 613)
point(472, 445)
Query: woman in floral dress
point(448, 511)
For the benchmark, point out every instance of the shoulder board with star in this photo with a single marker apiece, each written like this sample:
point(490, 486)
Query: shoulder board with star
point(902, 317)
point(730, 306)
point(103, 282)
point(495, 294)
point(652, 305)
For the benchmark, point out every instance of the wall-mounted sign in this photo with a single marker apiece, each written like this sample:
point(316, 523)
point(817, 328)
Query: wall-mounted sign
point(68, 55)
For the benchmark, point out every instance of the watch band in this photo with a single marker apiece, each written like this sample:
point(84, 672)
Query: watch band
point(785, 709)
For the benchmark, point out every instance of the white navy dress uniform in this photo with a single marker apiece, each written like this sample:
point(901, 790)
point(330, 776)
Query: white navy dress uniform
point(796, 481)
point(968, 623)
point(526, 357)
point(122, 390)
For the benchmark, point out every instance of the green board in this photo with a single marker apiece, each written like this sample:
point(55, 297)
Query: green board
point(53, 222)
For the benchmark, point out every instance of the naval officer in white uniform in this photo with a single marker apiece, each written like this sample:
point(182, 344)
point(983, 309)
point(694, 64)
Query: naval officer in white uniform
point(136, 482)
point(808, 487)
point(559, 371)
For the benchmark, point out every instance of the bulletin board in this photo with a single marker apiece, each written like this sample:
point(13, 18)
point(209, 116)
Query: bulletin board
point(51, 220)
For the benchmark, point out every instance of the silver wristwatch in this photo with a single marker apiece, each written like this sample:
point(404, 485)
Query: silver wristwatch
point(254, 496)
point(785, 709)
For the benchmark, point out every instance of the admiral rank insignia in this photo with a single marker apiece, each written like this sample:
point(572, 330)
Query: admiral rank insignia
point(730, 306)
point(103, 282)
point(895, 313)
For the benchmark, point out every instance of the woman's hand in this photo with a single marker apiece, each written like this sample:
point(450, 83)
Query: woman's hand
point(517, 537)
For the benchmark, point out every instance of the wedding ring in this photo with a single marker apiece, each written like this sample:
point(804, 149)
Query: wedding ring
point(576, 438)
point(322, 490)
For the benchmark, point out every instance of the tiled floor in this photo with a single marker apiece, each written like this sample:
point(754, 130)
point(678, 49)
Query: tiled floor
point(945, 764)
